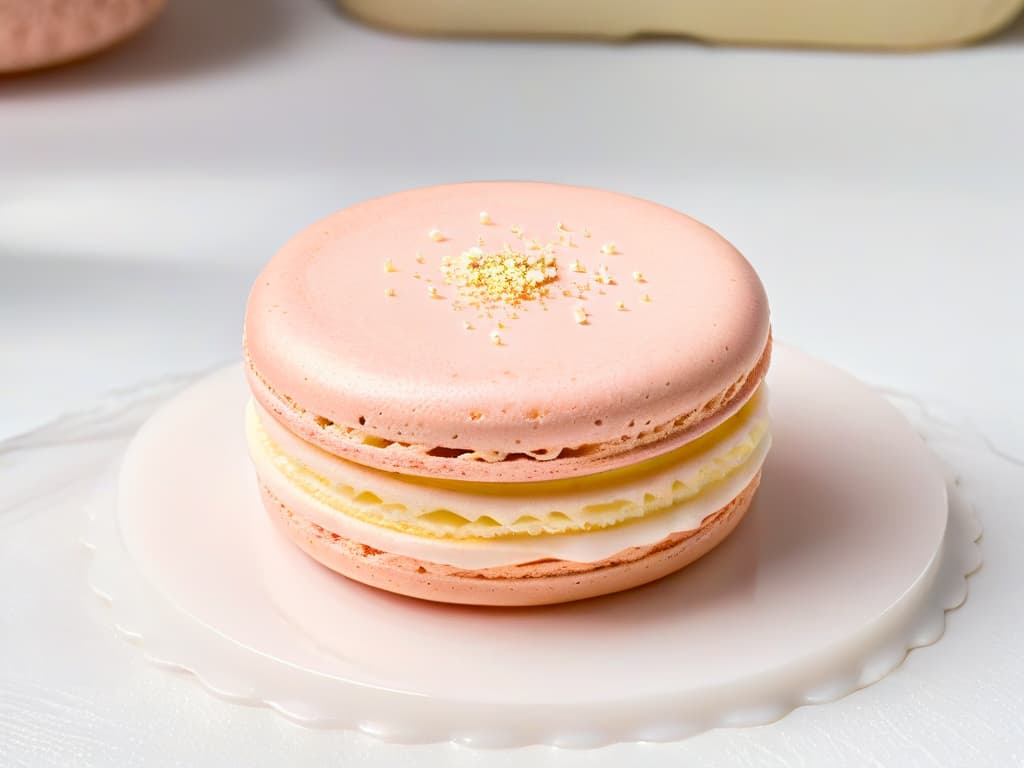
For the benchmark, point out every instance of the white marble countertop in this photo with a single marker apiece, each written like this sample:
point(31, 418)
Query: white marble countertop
point(880, 197)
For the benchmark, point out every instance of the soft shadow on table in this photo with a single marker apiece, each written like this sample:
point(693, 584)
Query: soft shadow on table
point(190, 37)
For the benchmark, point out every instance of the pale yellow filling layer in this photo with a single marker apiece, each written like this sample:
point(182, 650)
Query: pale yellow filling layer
point(478, 510)
point(471, 510)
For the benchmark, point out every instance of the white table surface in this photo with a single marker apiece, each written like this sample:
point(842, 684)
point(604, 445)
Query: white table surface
point(881, 197)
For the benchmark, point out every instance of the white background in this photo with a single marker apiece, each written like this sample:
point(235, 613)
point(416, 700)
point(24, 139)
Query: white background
point(879, 196)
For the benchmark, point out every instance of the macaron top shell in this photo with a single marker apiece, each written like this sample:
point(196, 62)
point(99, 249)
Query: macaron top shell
point(386, 321)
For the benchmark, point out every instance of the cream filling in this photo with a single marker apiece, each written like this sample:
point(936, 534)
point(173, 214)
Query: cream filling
point(474, 554)
point(700, 464)
point(466, 510)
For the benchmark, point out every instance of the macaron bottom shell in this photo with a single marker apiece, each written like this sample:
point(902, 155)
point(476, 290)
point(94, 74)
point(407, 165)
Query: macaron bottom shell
point(536, 583)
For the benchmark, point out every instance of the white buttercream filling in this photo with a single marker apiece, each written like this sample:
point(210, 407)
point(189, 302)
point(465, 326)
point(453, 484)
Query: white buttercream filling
point(703, 479)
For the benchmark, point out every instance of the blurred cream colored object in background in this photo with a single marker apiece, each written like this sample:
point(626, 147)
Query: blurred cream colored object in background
point(40, 33)
point(893, 24)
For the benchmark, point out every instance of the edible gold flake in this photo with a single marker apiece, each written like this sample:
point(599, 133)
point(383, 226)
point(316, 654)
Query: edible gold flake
point(509, 277)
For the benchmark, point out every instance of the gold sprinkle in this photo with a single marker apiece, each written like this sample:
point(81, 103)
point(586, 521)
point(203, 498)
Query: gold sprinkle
point(579, 314)
point(578, 267)
point(480, 240)
point(561, 227)
point(389, 266)
point(516, 229)
point(602, 275)
point(389, 291)
point(533, 245)
point(436, 235)
point(620, 306)
point(419, 257)
point(496, 338)
point(467, 325)
point(417, 275)
point(572, 243)
point(485, 217)
point(609, 248)
point(535, 275)
point(646, 298)
point(638, 276)
point(508, 277)
point(501, 325)
point(586, 232)
point(432, 291)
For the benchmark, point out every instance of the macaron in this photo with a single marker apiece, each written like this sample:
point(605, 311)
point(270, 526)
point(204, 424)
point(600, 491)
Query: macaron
point(41, 33)
point(507, 393)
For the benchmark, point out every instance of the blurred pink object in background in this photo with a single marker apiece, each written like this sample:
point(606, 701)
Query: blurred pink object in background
point(40, 33)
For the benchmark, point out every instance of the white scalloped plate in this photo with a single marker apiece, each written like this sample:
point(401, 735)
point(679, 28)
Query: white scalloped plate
point(854, 550)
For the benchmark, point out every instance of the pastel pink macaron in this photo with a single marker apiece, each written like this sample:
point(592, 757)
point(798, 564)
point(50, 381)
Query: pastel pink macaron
point(507, 393)
point(41, 33)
